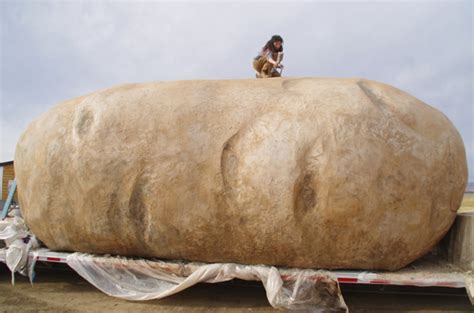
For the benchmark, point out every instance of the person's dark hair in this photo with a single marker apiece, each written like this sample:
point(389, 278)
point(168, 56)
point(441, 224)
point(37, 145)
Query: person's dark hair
point(269, 44)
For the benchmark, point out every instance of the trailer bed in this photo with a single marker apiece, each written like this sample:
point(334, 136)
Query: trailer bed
point(423, 273)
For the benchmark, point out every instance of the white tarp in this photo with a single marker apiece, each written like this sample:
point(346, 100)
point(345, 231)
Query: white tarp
point(131, 279)
point(19, 242)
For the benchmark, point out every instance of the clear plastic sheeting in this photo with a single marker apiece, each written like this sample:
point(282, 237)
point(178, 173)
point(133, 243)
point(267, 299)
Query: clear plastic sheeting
point(19, 242)
point(132, 279)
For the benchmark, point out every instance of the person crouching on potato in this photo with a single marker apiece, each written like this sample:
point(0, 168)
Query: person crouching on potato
point(269, 58)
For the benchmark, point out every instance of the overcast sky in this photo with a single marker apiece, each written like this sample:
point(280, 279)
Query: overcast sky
point(56, 50)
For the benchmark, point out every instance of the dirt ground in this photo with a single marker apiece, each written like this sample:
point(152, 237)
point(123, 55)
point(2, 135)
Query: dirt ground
point(60, 289)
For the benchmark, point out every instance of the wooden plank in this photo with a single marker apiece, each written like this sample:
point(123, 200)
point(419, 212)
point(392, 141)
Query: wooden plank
point(8, 175)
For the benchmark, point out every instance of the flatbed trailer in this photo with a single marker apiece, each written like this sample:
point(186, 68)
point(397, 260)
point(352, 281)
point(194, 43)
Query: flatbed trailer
point(451, 269)
point(421, 273)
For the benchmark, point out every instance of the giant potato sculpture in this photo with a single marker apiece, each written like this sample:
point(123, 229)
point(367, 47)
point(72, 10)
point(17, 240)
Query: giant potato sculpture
point(300, 172)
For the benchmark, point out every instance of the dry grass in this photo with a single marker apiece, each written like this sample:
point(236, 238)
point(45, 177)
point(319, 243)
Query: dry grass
point(467, 203)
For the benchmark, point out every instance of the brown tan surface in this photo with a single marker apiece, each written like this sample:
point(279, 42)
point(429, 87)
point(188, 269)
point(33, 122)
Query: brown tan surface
point(302, 172)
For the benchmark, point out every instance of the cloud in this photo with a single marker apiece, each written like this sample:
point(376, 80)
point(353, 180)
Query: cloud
point(55, 50)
